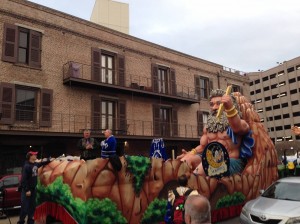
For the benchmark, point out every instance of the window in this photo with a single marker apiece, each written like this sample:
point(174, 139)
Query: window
point(236, 88)
point(296, 114)
point(277, 117)
point(259, 110)
point(284, 105)
point(257, 81)
point(109, 114)
point(295, 102)
point(280, 73)
point(285, 115)
point(287, 127)
point(19, 104)
point(272, 76)
point(276, 107)
point(278, 128)
point(266, 88)
point(291, 69)
point(163, 80)
point(22, 46)
point(202, 121)
point(25, 104)
point(108, 67)
point(267, 98)
point(265, 78)
point(273, 86)
point(165, 122)
point(268, 108)
point(251, 83)
point(11, 181)
point(293, 91)
point(281, 84)
point(258, 91)
point(292, 80)
point(202, 86)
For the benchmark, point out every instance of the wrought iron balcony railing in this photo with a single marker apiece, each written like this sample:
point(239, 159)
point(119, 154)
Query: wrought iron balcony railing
point(74, 71)
point(74, 124)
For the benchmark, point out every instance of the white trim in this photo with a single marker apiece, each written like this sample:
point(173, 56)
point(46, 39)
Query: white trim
point(109, 50)
point(163, 65)
point(27, 84)
point(30, 27)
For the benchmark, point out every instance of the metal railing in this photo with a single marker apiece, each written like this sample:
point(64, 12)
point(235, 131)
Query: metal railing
point(76, 123)
point(81, 71)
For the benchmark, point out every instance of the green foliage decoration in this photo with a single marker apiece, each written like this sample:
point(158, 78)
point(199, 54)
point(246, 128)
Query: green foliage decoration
point(228, 200)
point(155, 212)
point(89, 212)
point(138, 166)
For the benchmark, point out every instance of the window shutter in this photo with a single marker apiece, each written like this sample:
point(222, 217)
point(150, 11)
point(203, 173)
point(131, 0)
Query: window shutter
point(241, 90)
point(122, 116)
point(96, 112)
point(156, 120)
point(46, 107)
point(121, 69)
point(173, 82)
point(197, 86)
point(35, 49)
point(96, 65)
point(9, 51)
point(7, 103)
point(211, 87)
point(200, 122)
point(174, 123)
point(154, 69)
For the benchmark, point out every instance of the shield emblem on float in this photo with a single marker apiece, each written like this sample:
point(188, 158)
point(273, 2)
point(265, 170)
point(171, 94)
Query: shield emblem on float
point(215, 160)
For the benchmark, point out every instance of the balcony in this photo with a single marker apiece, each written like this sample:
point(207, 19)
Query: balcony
point(78, 74)
point(63, 124)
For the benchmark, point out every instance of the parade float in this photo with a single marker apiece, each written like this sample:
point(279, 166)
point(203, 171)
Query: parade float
point(85, 192)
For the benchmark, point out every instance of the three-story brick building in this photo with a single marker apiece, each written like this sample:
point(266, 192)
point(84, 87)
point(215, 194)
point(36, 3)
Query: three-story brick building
point(61, 74)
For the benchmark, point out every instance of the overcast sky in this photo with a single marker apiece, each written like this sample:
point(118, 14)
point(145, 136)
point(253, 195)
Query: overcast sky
point(246, 35)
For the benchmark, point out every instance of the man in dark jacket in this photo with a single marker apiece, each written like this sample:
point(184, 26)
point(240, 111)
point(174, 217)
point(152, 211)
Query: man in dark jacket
point(28, 187)
point(89, 147)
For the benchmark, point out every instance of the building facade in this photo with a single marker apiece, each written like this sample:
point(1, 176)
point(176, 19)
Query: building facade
point(275, 94)
point(61, 75)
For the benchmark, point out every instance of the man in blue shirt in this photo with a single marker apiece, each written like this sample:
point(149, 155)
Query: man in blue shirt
point(108, 145)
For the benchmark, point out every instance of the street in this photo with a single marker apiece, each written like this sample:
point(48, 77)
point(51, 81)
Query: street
point(14, 215)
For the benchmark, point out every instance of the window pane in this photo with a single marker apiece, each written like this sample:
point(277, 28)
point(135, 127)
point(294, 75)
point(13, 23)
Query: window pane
point(103, 122)
point(109, 62)
point(22, 55)
point(25, 105)
point(103, 60)
point(110, 108)
point(23, 40)
point(103, 74)
point(103, 107)
point(110, 77)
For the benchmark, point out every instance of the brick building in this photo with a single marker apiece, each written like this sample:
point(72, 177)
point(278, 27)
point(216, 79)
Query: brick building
point(61, 74)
